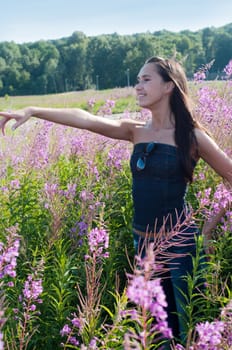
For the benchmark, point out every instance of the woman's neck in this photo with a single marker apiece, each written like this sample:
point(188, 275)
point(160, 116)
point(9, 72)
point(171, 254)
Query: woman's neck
point(161, 121)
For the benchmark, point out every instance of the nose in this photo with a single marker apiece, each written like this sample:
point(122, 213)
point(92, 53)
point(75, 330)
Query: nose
point(137, 86)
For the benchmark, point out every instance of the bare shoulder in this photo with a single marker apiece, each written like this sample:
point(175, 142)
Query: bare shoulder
point(132, 126)
point(116, 128)
point(209, 150)
point(132, 122)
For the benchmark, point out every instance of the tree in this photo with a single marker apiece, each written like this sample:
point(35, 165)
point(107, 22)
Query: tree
point(98, 52)
point(222, 45)
point(72, 63)
point(79, 62)
point(43, 58)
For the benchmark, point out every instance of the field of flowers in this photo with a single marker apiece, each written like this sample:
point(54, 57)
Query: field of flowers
point(68, 275)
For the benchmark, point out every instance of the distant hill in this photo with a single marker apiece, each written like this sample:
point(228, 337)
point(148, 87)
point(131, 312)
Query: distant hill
point(81, 62)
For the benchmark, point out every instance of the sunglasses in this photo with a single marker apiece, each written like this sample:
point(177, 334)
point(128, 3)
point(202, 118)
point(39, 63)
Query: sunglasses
point(141, 162)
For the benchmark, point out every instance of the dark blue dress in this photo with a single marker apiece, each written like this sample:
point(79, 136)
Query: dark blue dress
point(159, 195)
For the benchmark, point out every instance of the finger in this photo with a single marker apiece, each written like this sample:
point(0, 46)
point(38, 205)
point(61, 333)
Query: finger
point(6, 114)
point(3, 124)
point(17, 124)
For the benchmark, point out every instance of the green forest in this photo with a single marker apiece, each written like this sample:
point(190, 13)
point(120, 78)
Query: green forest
point(107, 61)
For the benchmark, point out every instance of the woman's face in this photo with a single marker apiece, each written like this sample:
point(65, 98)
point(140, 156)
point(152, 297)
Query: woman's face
point(151, 88)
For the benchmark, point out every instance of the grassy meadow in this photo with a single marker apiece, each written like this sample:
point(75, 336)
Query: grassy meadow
point(67, 265)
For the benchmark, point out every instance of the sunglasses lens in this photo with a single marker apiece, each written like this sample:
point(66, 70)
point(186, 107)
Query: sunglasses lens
point(150, 147)
point(141, 163)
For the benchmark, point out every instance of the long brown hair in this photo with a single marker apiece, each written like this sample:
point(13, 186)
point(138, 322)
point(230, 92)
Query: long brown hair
point(185, 122)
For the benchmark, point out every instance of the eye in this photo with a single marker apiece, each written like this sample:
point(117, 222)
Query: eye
point(141, 80)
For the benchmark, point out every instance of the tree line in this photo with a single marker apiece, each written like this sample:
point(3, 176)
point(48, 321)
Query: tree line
point(79, 62)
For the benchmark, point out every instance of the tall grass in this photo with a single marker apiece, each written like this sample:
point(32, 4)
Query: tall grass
point(67, 268)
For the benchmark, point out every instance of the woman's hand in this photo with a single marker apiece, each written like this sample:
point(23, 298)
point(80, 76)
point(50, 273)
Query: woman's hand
point(19, 116)
point(208, 243)
point(208, 227)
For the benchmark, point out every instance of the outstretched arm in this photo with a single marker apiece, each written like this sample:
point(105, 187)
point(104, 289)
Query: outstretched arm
point(214, 156)
point(222, 164)
point(114, 128)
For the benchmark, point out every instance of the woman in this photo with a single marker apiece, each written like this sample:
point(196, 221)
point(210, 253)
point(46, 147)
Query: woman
point(166, 150)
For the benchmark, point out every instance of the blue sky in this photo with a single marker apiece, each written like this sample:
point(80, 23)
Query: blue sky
point(32, 20)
